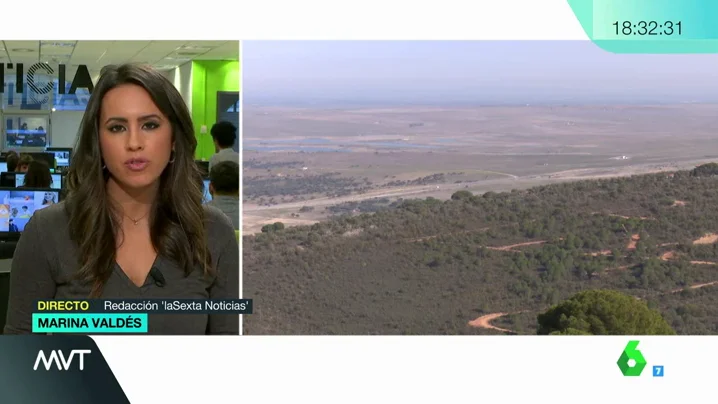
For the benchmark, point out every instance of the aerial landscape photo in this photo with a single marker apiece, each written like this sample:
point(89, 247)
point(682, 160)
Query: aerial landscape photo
point(478, 188)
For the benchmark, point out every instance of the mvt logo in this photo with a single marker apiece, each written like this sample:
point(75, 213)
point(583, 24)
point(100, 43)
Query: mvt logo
point(62, 361)
point(632, 362)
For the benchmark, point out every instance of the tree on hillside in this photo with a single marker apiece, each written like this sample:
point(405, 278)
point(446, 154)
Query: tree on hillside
point(276, 226)
point(459, 195)
point(602, 312)
point(705, 170)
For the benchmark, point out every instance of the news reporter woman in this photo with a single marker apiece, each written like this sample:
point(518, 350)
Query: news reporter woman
point(133, 224)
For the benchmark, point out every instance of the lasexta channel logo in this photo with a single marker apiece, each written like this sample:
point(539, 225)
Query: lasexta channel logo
point(631, 362)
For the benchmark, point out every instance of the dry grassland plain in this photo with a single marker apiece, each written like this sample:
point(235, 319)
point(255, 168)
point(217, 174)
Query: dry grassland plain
point(302, 165)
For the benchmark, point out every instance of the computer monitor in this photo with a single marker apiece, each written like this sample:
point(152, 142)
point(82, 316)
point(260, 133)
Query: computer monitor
point(207, 195)
point(56, 180)
point(47, 158)
point(7, 180)
point(18, 205)
point(62, 155)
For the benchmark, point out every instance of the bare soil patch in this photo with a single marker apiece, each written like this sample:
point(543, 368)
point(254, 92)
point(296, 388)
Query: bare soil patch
point(632, 243)
point(353, 233)
point(707, 239)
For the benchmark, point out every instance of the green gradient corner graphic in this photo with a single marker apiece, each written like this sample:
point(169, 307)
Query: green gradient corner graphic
point(649, 26)
point(631, 352)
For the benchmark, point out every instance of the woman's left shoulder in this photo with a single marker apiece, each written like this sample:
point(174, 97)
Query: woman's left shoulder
point(218, 224)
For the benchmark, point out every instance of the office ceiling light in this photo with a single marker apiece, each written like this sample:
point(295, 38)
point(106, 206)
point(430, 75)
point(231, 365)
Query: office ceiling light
point(193, 50)
point(192, 47)
point(164, 67)
point(24, 50)
point(58, 44)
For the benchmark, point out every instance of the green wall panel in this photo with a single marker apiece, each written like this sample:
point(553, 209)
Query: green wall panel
point(209, 77)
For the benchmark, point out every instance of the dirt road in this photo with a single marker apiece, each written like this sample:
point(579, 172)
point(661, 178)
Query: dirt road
point(485, 322)
point(509, 181)
point(698, 286)
point(279, 211)
point(395, 193)
point(512, 246)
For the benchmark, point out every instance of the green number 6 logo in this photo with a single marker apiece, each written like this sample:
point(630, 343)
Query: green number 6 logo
point(631, 354)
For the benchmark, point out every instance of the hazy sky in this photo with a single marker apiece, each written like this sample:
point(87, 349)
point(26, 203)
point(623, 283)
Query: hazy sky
point(480, 72)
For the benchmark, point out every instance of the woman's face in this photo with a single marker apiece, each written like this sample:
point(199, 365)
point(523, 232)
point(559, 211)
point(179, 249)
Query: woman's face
point(49, 196)
point(135, 137)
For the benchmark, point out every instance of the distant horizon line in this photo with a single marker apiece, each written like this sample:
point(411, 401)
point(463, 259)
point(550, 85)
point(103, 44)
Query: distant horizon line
point(373, 105)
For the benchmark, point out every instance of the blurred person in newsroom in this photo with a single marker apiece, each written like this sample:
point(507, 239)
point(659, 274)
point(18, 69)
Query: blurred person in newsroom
point(23, 164)
point(133, 224)
point(37, 176)
point(224, 188)
point(223, 134)
point(12, 158)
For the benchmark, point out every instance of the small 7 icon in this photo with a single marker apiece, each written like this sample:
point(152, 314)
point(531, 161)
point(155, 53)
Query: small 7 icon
point(658, 371)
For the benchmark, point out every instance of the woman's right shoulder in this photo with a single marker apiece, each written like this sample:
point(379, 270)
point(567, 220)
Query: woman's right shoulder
point(52, 216)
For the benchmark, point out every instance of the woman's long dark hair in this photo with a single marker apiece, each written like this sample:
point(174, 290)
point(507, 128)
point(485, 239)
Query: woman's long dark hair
point(177, 217)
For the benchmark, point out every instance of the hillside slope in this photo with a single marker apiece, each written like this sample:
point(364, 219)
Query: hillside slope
point(431, 267)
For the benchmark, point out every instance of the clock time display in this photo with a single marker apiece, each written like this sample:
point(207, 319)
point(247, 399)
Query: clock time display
point(648, 28)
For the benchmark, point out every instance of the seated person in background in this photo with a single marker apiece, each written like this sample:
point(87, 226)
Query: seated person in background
point(38, 176)
point(12, 159)
point(224, 134)
point(24, 164)
point(224, 188)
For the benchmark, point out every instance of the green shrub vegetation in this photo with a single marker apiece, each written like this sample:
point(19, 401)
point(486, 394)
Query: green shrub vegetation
point(431, 266)
point(602, 312)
